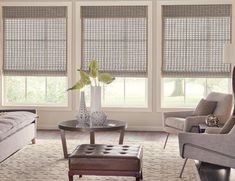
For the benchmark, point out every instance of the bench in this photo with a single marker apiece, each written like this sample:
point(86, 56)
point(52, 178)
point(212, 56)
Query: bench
point(106, 160)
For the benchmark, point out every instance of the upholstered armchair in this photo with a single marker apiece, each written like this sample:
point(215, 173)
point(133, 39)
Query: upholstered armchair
point(216, 146)
point(185, 121)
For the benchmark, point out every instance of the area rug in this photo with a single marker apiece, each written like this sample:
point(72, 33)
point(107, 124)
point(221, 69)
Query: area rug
point(44, 162)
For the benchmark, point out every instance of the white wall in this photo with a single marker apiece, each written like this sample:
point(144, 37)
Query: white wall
point(137, 120)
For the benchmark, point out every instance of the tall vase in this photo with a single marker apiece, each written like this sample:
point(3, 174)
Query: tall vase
point(97, 116)
point(95, 99)
point(83, 116)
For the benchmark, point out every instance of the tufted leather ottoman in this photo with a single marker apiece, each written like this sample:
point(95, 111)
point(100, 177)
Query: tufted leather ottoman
point(109, 160)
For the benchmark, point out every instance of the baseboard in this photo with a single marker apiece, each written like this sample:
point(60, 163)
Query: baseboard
point(144, 128)
point(129, 128)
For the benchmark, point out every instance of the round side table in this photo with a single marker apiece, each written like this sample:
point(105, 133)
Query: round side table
point(73, 125)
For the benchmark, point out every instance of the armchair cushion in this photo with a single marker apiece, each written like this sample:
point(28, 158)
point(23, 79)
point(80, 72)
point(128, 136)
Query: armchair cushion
point(175, 122)
point(205, 107)
point(228, 126)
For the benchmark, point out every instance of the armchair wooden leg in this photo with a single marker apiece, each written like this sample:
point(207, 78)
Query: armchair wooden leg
point(168, 134)
point(182, 170)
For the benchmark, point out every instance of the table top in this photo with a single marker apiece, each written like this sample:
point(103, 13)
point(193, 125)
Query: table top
point(73, 125)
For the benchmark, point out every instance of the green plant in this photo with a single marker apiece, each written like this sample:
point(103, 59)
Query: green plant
point(93, 77)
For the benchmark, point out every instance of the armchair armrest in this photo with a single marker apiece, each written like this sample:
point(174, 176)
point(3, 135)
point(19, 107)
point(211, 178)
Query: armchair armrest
point(213, 130)
point(193, 121)
point(180, 114)
point(220, 143)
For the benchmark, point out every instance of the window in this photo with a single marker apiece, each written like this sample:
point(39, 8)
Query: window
point(123, 92)
point(35, 55)
point(187, 92)
point(35, 90)
point(192, 54)
point(117, 37)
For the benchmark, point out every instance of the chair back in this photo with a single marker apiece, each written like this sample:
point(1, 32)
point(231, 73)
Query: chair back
point(224, 105)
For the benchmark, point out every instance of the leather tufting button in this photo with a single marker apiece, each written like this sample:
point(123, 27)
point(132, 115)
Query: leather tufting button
point(88, 152)
point(124, 149)
point(105, 152)
point(90, 148)
point(125, 146)
point(109, 146)
point(107, 149)
point(123, 153)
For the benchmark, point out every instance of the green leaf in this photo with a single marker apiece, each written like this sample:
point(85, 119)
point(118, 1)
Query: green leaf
point(79, 85)
point(85, 77)
point(93, 68)
point(106, 78)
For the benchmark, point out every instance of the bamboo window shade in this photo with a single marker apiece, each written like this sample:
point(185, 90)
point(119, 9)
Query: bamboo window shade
point(193, 40)
point(116, 36)
point(35, 40)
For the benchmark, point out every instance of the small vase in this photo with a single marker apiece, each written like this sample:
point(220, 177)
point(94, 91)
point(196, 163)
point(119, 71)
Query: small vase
point(83, 116)
point(98, 118)
point(95, 99)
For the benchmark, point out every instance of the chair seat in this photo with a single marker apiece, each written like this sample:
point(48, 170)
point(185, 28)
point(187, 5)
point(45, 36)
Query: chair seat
point(175, 122)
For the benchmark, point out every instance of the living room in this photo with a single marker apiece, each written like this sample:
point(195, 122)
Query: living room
point(164, 72)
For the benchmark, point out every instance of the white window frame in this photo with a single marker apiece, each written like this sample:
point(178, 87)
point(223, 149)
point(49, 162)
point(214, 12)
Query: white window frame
point(69, 55)
point(150, 67)
point(158, 55)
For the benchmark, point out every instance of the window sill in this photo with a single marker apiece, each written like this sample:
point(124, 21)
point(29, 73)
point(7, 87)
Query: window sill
point(169, 109)
point(127, 109)
point(39, 107)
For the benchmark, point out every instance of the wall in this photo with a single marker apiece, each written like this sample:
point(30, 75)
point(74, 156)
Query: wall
point(137, 120)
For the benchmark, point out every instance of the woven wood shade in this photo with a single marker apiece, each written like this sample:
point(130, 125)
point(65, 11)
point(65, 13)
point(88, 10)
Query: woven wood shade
point(35, 40)
point(116, 36)
point(193, 40)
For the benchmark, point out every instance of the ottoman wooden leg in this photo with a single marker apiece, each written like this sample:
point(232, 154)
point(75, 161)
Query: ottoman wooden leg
point(137, 178)
point(80, 176)
point(70, 176)
point(141, 175)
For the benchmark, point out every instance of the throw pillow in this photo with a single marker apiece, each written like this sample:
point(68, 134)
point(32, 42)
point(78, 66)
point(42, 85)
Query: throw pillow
point(205, 107)
point(212, 120)
point(228, 125)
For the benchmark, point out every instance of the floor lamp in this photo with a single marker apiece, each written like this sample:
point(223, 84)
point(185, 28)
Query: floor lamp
point(229, 57)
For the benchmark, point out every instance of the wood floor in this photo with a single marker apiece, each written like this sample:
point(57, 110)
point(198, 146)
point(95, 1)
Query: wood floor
point(207, 172)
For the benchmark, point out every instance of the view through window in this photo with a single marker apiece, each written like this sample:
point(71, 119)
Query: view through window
point(187, 92)
point(31, 90)
point(123, 92)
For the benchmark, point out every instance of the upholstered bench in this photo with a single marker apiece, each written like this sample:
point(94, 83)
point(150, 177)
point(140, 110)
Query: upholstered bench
point(106, 160)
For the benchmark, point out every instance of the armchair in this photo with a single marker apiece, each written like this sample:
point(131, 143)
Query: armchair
point(211, 147)
point(185, 121)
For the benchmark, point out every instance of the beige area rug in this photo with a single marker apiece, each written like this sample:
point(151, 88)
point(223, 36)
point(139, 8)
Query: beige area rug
point(44, 162)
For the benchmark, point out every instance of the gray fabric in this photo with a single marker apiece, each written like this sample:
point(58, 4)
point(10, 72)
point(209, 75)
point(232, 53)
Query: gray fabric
point(228, 126)
point(213, 130)
point(212, 148)
point(224, 105)
point(205, 107)
point(222, 111)
point(17, 140)
point(179, 114)
point(10, 122)
point(193, 121)
point(174, 122)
